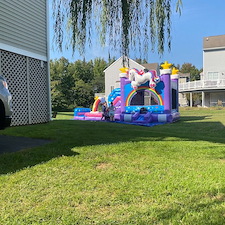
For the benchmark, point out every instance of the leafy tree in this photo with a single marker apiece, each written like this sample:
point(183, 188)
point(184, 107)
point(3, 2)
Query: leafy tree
point(84, 94)
point(58, 101)
point(83, 71)
point(194, 75)
point(98, 82)
point(74, 84)
point(123, 24)
point(61, 84)
point(189, 68)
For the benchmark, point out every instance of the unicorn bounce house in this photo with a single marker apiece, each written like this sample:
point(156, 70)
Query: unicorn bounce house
point(144, 98)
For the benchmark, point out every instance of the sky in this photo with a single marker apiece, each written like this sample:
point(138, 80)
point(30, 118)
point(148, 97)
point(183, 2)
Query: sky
point(199, 19)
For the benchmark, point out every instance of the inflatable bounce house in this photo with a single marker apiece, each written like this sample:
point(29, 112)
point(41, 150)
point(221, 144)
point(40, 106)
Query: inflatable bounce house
point(144, 98)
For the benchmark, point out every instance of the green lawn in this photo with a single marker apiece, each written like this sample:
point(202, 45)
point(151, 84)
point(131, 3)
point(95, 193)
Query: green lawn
point(108, 173)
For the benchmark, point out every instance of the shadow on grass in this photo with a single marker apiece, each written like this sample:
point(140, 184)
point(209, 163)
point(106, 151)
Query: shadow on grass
point(12, 162)
point(69, 134)
point(207, 208)
point(194, 118)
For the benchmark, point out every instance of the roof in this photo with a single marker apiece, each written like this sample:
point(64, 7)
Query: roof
point(214, 42)
point(120, 59)
point(184, 75)
point(151, 66)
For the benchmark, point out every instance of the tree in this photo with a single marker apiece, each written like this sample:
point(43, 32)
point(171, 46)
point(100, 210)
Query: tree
point(189, 68)
point(74, 84)
point(194, 75)
point(83, 71)
point(62, 84)
point(99, 76)
point(84, 94)
point(123, 24)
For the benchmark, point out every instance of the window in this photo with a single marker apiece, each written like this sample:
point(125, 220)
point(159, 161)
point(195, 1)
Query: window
point(212, 76)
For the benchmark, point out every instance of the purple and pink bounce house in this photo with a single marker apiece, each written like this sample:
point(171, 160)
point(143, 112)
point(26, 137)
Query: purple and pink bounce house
point(144, 98)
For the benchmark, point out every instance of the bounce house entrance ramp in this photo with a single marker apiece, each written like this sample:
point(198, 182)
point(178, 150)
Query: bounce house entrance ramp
point(138, 117)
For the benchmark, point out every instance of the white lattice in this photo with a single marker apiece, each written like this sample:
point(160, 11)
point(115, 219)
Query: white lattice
point(38, 90)
point(27, 81)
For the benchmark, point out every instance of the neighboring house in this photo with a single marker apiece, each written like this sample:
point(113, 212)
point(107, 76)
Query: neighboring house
point(24, 59)
point(183, 78)
point(212, 83)
point(112, 79)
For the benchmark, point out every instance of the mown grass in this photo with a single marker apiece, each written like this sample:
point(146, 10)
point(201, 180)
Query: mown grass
point(108, 173)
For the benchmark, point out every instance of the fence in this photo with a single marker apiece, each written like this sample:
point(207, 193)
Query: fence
point(201, 85)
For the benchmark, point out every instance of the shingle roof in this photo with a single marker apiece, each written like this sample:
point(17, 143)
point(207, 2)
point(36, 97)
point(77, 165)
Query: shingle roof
point(151, 66)
point(214, 42)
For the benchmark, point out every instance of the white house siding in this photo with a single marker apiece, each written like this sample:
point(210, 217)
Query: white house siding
point(24, 59)
point(214, 69)
point(112, 79)
point(214, 62)
point(23, 25)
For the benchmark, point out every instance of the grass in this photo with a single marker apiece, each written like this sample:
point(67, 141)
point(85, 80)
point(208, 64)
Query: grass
point(108, 173)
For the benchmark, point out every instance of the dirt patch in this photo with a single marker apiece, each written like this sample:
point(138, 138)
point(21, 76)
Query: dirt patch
point(102, 166)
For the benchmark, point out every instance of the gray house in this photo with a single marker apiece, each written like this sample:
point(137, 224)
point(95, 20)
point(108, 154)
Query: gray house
point(112, 79)
point(212, 83)
point(24, 59)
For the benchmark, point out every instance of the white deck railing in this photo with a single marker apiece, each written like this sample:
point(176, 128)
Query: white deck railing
point(201, 85)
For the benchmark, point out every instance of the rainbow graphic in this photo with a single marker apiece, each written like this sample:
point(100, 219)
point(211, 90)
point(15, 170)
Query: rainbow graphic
point(132, 93)
point(96, 104)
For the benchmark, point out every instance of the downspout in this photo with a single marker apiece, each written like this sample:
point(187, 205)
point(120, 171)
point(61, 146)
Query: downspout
point(48, 61)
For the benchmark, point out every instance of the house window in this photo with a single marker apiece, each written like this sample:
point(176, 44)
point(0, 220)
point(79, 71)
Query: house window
point(212, 76)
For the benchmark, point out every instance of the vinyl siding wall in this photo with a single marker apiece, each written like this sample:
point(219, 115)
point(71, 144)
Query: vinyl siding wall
point(23, 25)
point(24, 59)
point(214, 61)
point(112, 78)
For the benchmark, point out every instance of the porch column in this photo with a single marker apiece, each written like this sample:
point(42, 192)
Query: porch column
point(203, 99)
point(191, 101)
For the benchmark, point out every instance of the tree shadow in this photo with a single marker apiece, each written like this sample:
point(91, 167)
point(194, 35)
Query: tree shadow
point(69, 134)
point(15, 161)
point(204, 206)
point(194, 118)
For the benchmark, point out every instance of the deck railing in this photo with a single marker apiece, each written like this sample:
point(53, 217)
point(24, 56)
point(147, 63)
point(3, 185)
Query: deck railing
point(201, 85)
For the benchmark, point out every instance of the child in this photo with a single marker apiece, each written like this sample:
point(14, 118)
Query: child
point(111, 111)
point(104, 111)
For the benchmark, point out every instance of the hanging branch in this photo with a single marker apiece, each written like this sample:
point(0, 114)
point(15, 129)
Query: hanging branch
point(122, 24)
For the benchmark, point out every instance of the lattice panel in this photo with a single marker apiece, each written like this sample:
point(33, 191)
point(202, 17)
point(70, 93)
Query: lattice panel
point(27, 80)
point(14, 69)
point(38, 91)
